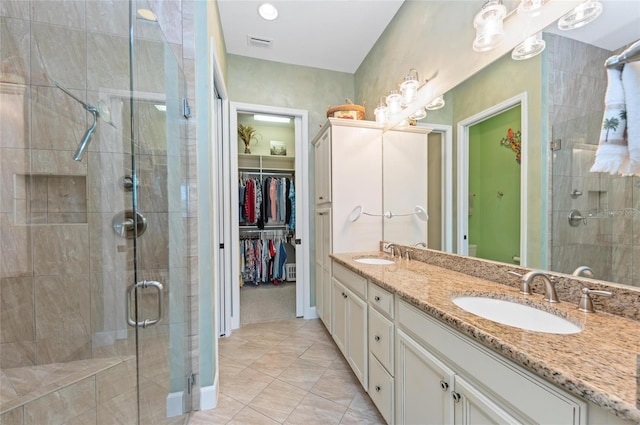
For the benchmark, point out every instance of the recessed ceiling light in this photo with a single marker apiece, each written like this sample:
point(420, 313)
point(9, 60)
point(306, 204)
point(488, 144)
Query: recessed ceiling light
point(268, 11)
point(147, 15)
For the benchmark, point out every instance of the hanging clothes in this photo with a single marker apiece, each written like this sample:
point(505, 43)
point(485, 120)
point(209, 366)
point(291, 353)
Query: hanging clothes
point(263, 261)
point(266, 201)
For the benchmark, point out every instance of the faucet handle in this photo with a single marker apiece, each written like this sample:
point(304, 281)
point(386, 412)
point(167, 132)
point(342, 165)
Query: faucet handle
point(525, 287)
point(586, 304)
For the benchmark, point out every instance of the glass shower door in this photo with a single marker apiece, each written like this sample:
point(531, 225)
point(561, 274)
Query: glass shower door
point(158, 293)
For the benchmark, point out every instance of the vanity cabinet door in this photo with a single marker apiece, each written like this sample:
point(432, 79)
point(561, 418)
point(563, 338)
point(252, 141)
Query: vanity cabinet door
point(323, 168)
point(423, 385)
point(472, 407)
point(323, 265)
point(339, 315)
point(357, 347)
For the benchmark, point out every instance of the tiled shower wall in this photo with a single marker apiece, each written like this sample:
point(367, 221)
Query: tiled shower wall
point(577, 83)
point(62, 269)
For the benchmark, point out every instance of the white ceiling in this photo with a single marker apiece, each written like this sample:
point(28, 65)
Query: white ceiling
point(328, 34)
point(338, 34)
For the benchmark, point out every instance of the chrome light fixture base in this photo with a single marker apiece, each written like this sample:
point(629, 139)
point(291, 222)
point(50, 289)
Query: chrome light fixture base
point(530, 47)
point(581, 15)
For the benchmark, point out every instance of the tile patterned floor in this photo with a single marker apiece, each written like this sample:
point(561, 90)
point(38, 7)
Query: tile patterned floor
point(286, 372)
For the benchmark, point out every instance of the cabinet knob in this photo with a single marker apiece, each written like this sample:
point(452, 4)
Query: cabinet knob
point(456, 397)
point(377, 338)
point(378, 388)
point(344, 295)
point(444, 385)
point(377, 298)
point(320, 197)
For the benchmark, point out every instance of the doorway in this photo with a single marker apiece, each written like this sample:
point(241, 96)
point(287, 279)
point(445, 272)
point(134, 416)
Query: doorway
point(492, 187)
point(284, 230)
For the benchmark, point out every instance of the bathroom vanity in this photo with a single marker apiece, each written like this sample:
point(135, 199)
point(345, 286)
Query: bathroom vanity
point(423, 359)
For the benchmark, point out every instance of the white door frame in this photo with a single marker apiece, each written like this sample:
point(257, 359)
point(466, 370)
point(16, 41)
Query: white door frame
point(463, 171)
point(446, 199)
point(303, 287)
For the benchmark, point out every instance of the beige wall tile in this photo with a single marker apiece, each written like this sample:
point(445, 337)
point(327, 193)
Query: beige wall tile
point(16, 310)
point(16, 258)
point(110, 17)
point(13, 417)
point(64, 406)
point(62, 306)
point(65, 349)
point(57, 162)
point(109, 252)
point(14, 165)
point(107, 62)
point(17, 354)
point(115, 381)
point(14, 50)
point(58, 121)
point(61, 250)
point(104, 182)
point(59, 54)
point(67, 13)
point(15, 126)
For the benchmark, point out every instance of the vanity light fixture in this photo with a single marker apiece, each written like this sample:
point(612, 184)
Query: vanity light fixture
point(381, 112)
point(271, 118)
point(531, 7)
point(581, 15)
point(436, 103)
point(268, 11)
point(488, 24)
point(409, 87)
point(529, 48)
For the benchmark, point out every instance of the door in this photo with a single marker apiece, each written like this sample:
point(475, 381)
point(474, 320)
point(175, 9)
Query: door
point(422, 385)
point(474, 408)
point(158, 290)
point(339, 315)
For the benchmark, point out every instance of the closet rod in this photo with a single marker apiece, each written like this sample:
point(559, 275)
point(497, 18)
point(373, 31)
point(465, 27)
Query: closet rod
point(269, 173)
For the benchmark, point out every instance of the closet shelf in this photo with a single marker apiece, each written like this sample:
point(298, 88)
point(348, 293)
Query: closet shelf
point(247, 162)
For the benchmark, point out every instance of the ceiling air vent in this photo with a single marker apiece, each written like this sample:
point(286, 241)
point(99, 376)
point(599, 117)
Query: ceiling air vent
point(259, 42)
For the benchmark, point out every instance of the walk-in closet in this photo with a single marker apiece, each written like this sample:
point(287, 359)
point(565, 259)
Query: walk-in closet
point(266, 218)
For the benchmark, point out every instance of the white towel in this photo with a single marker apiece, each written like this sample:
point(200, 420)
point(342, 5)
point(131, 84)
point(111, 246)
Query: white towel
point(631, 87)
point(612, 155)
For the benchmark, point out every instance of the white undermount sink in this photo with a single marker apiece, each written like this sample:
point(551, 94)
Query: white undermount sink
point(516, 315)
point(374, 260)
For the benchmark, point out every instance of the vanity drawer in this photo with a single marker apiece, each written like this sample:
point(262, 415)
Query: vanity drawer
point(381, 389)
point(351, 280)
point(381, 299)
point(381, 339)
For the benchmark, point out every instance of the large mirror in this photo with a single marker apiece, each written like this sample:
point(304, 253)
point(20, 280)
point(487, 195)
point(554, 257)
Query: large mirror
point(529, 198)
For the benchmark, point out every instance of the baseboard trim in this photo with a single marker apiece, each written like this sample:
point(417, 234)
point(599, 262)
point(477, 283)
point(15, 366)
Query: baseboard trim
point(175, 404)
point(311, 313)
point(209, 396)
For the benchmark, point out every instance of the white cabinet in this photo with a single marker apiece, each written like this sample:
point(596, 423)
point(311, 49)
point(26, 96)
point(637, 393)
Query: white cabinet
point(423, 385)
point(323, 167)
point(323, 265)
point(349, 320)
point(481, 387)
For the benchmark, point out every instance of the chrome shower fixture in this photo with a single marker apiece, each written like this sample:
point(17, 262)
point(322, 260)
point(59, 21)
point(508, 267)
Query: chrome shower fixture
point(101, 111)
point(631, 54)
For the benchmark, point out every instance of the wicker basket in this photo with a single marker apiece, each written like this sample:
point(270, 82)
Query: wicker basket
point(347, 111)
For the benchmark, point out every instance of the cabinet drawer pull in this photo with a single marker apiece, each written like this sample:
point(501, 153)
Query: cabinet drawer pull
point(456, 397)
point(444, 385)
point(377, 338)
point(378, 388)
point(377, 298)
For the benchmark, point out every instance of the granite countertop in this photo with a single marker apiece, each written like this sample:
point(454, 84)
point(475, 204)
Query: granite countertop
point(599, 364)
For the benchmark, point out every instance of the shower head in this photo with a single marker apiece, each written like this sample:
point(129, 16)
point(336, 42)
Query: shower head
point(631, 54)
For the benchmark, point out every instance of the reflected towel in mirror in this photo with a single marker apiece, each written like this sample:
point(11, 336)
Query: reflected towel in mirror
point(631, 87)
point(613, 153)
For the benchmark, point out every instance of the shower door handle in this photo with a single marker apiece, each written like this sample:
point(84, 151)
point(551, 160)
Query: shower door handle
point(142, 285)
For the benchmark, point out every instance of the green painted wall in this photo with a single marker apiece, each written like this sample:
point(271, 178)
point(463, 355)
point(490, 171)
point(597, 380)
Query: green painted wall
point(494, 220)
point(289, 86)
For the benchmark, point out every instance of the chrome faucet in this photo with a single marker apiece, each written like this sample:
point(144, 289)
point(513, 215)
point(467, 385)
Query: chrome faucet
point(391, 247)
point(549, 286)
point(584, 271)
point(422, 244)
